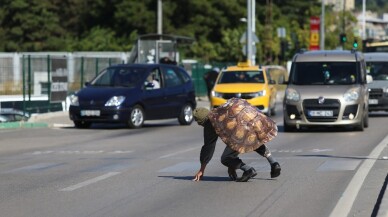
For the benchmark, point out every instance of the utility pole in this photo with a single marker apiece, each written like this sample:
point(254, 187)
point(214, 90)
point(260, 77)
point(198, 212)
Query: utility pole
point(249, 31)
point(322, 27)
point(343, 22)
point(363, 20)
point(159, 17)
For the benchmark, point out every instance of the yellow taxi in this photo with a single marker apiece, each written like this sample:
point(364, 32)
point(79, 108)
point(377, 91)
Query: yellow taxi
point(246, 81)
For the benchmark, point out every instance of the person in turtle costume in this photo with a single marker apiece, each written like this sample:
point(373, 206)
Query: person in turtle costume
point(243, 129)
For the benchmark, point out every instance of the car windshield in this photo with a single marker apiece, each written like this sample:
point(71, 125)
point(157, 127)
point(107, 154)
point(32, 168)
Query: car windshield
point(119, 77)
point(241, 77)
point(324, 73)
point(378, 70)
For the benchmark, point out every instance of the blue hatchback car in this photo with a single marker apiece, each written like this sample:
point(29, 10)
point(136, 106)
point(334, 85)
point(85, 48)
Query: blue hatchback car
point(133, 93)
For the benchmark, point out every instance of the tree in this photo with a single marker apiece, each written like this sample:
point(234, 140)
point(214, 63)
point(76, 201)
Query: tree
point(31, 25)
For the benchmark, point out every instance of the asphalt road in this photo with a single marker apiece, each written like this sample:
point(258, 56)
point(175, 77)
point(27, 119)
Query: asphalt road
point(110, 170)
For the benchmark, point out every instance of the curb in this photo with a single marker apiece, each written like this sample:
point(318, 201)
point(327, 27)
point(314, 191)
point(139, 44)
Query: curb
point(13, 125)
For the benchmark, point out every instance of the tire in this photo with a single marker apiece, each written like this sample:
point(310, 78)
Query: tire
point(273, 110)
point(136, 118)
point(269, 112)
point(288, 128)
point(82, 124)
point(366, 119)
point(186, 115)
point(360, 126)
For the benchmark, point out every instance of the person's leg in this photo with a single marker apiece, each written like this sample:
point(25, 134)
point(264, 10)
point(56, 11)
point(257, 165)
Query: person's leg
point(275, 166)
point(230, 159)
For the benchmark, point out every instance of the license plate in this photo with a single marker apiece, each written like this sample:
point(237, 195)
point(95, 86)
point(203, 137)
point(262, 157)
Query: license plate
point(373, 101)
point(90, 112)
point(322, 113)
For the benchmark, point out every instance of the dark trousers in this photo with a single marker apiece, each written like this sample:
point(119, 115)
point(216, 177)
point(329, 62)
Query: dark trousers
point(230, 157)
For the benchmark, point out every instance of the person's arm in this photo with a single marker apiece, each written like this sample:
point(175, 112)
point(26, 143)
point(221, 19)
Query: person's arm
point(200, 173)
point(207, 150)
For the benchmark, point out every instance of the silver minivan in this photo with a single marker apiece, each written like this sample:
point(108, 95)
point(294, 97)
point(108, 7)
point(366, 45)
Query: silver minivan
point(377, 67)
point(326, 88)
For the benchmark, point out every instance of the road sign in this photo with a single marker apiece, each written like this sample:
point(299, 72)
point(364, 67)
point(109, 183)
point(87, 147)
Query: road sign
point(243, 38)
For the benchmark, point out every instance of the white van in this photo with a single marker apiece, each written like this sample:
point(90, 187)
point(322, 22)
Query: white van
point(326, 88)
point(377, 67)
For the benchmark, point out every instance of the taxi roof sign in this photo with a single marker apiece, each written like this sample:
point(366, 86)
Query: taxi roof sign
point(244, 64)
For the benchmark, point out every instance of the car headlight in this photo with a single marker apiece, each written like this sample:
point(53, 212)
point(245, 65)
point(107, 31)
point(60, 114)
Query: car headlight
point(259, 93)
point(115, 101)
point(216, 94)
point(74, 100)
point(292, 95)
point(352, 94)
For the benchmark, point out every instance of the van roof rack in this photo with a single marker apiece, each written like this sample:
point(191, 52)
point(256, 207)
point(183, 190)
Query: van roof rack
point(302, 50)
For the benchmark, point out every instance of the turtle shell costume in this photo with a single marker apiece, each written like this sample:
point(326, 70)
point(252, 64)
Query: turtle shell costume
point(242, 126)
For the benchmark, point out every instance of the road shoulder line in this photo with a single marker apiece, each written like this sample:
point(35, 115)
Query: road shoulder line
point(347, 199)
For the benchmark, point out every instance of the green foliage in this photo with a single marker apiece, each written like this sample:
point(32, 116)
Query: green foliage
point(100, 25)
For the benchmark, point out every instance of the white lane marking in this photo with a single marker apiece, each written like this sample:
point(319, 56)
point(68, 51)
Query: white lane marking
point(178, 152)
point(62, 125)
point(86, 152)
point(347, 199)
point(39, 166)
point(90, 181)
point(322, 150)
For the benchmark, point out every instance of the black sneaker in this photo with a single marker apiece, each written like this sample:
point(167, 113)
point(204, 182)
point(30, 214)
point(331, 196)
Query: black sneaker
point(275, 170)
point(232, 173)
point(247, 175)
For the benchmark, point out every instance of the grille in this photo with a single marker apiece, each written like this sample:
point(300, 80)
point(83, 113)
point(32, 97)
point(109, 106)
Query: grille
point(237, 95)
point(91, 104)
point(328, 105)
point(375, 93)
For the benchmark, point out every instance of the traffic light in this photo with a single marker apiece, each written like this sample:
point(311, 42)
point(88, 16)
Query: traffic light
point(343, 38)
point(355, 43)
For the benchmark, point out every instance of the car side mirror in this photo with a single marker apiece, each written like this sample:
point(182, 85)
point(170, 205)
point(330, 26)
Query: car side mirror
point(87, 83)
point(369, 79)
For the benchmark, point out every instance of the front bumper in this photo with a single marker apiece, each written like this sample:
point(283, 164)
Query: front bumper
point(106, 115)
point(343, 114)
point(262, 103)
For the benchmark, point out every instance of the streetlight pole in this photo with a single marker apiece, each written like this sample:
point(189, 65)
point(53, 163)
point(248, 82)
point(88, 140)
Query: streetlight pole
point(160, 17)
point(363, 20)
point(249, 31)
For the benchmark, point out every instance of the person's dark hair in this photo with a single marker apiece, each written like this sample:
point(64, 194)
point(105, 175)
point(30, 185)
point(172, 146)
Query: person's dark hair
point(166, 60)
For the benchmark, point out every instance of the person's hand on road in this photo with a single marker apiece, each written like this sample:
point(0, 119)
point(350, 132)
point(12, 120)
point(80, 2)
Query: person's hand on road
point(198, 176)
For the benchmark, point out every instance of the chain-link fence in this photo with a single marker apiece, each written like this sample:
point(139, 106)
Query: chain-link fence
point(40, 82)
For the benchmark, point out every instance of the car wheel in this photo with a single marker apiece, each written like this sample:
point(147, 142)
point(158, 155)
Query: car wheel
point(288, 128)
point(273, 110)
point(366, 119)
point(360, 126)
point(186, 115)
point(82, 124)
point(269, 112)
point(136, 118)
